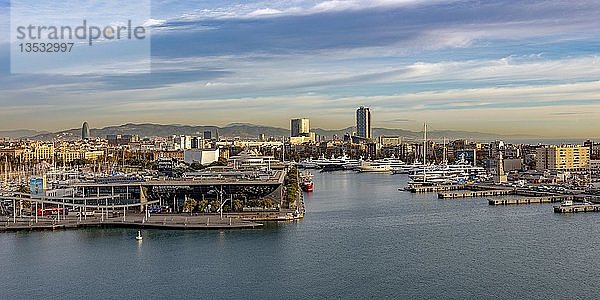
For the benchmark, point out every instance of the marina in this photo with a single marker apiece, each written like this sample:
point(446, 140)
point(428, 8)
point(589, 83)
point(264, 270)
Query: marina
point(351, 222)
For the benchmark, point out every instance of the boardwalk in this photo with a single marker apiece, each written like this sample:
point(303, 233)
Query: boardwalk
point(178, 221)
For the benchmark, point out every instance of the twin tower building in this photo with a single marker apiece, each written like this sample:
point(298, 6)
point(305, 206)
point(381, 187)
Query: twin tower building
point(300, 128)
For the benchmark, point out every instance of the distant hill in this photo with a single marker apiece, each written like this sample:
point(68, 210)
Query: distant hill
point(150, 130)
point(244, 130)
point(20, 133)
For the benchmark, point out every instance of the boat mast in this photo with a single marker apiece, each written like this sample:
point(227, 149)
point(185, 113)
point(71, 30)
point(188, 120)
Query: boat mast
point(283, 149)
point(424, 143)
point(424, 151)
point(444, 153)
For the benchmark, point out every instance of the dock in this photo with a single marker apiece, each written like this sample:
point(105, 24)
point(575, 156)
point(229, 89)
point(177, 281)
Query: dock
point(528, 200)
point(433, 188)
point(468, 194)
point(577, 208)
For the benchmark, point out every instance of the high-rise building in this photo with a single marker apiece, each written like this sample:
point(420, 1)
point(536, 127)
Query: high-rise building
point(363, 122)
point(85, 131)
point(300, 127)
point(564, 158)
point(207, 135)
point(183, 142)
point(197, 143)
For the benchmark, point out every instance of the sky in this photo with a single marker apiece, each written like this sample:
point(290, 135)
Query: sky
point(498, 66)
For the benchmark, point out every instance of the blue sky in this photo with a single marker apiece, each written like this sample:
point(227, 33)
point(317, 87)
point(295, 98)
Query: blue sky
point(496, 66)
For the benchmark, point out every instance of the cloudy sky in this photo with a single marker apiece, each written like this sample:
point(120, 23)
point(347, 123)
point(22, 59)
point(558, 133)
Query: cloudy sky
point(492, 66)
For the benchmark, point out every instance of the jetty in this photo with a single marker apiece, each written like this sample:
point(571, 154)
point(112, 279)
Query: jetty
point(433, 188)
point(529, 200)
point(574, 208)
point(482, 193)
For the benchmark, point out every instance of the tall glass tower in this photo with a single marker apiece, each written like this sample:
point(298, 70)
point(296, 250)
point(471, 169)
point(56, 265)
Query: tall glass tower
point(363, 122)
point(85, 131)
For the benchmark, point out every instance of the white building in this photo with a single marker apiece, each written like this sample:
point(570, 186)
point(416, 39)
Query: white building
point(183, 142)
point(202, 156)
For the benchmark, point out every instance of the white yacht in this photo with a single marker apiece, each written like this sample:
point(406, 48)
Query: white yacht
point(458, 172)
point(366, 166)
point(341, 163)
point(407, 168)
point(382, 165)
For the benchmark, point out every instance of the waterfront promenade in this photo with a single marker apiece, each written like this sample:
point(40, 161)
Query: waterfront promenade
point(166, 221)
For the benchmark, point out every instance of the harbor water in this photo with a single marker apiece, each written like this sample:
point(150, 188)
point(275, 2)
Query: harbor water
point(361, 239)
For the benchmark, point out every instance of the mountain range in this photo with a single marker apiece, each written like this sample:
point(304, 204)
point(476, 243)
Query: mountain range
point(242, 130)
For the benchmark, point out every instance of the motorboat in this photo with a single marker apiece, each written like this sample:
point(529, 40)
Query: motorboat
point(307, 182)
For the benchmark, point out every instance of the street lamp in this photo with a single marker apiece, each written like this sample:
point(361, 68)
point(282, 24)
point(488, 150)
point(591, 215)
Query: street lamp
point(222, 204)
point(220, 199)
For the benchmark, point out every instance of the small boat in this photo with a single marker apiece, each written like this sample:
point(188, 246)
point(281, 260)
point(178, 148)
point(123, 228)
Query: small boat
point(567, 203)
point(307, 182)
point(139, 236)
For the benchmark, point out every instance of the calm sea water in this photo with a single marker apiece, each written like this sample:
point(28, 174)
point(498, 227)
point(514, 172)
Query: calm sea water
point(361, 239)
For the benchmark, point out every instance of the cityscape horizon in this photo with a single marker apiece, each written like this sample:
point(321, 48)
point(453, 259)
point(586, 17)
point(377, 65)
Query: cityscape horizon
point(37, 131)
point(505, 67)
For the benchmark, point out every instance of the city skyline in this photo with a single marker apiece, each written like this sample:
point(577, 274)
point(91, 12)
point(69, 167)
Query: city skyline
point(505, 67)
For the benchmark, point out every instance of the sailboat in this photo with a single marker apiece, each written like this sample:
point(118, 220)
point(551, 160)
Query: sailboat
point(139, 236)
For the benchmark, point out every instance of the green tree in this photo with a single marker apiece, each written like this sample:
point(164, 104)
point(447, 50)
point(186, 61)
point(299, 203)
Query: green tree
point(238, 205)
point(268, 203)
point(202, 205)
point(215, 205)
point(197, 166)
point(189, 205)
point(222, 161)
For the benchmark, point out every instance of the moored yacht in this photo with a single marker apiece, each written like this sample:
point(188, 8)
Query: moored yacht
point(366, 166)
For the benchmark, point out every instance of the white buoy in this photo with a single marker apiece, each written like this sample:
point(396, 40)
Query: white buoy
point(139, 236)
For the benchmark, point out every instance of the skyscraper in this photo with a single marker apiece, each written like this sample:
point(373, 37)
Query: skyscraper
point(207, 135)
point(300, 127)
point(85, 131)
point(363, 122)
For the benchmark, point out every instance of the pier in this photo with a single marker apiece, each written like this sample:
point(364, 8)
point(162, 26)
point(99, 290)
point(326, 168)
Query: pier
point(469, 194)
point(528, 200)
point(433, 188)
point(577, 208)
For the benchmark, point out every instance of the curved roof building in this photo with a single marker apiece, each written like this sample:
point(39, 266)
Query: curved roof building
point(85, 131)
